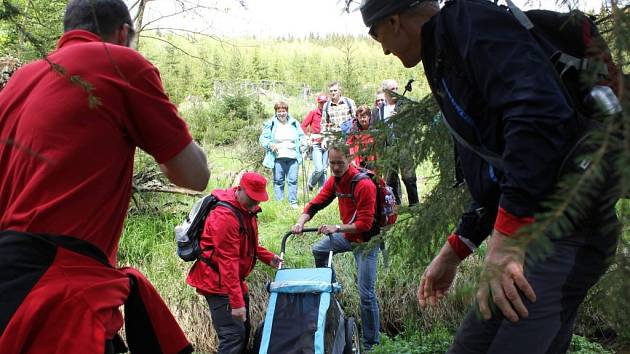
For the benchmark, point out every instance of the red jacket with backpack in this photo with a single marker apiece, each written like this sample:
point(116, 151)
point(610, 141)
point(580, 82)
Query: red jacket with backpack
point(364, 208)
point(234, 251)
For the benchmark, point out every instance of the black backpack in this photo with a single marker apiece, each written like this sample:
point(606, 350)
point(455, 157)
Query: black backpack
point(584, 69)
point(188, 233)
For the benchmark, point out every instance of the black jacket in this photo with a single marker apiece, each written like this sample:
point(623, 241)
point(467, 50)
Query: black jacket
point(497, 89)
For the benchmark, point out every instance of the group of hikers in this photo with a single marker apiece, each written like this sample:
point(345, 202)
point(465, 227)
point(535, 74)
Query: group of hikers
point(287, 142)
point(70, 124)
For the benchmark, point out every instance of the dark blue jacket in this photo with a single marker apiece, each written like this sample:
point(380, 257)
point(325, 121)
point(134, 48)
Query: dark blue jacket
point(496, 87)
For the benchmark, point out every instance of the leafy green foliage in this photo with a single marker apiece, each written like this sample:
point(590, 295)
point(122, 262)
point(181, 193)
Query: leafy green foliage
point(438, 340)
point(30, 28)
point(581, 345)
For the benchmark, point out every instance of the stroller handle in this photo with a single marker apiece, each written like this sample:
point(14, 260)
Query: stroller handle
point(308, 229)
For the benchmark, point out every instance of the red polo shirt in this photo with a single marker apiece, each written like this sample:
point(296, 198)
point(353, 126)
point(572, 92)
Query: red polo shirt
point(67, 140)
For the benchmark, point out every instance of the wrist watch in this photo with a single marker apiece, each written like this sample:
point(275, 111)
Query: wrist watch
point(337, 228)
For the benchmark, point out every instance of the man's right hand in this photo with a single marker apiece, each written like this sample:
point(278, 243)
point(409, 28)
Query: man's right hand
point(239, 314)
point(438, 276)
point(297, 228)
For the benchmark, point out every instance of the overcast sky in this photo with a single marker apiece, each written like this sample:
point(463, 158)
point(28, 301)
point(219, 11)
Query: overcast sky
point(277, 18)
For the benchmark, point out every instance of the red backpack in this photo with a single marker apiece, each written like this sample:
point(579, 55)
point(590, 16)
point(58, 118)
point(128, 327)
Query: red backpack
point(386, 207)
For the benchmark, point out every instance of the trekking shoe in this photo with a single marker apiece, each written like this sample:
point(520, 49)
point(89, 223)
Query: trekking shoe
point(310, 188)
point(295, 206)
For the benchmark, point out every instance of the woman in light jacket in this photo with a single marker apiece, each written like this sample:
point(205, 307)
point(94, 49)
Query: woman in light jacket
point(282, 138)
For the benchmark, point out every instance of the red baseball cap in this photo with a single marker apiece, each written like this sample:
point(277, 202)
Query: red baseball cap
point(255, 186)
point(322, 98)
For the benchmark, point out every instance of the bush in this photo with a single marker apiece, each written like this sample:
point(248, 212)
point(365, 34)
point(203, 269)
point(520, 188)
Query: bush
point(581, 345)
point(436, 341)
point(225, 121)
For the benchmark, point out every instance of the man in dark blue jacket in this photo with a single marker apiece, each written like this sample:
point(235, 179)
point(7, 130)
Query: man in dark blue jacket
point(499, 92)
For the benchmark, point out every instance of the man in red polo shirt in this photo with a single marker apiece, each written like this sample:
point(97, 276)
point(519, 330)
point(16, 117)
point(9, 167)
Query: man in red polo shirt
point(69, 128)
point(357, 214)
point(230, 241)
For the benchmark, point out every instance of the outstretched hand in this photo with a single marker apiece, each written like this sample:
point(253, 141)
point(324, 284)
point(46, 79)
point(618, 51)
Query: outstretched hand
point(438, 277)
point(502, 278)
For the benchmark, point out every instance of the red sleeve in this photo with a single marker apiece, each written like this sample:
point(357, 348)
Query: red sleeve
point(365, 197)
point(509, 224)
point(307, 121)
point(154, 124)
point(461, 249)
point(325, 196)
point(224, 228)
point(264, 254)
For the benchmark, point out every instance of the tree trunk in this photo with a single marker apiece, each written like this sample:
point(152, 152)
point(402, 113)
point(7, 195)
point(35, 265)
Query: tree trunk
point(138, 22)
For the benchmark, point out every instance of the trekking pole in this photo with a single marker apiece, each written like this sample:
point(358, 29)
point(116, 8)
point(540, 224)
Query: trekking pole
point(304, 180)
point(408, 86)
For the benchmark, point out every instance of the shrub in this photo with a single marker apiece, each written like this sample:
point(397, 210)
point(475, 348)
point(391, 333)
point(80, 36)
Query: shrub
point(436, 341)
point(581, 345)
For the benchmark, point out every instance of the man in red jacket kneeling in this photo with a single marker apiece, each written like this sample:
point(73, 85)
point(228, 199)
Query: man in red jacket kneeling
point(230, 241)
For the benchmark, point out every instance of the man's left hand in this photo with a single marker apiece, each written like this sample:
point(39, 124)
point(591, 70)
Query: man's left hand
point(503, 277)
point(328, 229)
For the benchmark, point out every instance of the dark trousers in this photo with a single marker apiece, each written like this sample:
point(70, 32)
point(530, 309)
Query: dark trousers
point(409, 179)
point(560, 282)
point(233, 334)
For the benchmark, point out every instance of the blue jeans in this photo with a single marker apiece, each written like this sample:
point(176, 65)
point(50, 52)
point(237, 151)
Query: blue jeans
point(320, 162)
point(365, 261)
point(286, 169)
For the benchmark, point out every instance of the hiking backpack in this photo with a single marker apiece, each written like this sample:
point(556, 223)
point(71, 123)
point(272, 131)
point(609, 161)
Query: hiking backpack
point(188, 233)
point(386, 207)
point(584, 68)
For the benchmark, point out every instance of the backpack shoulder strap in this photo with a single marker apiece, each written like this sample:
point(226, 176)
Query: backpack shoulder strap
point(363, 174)
point(347, 102)
point(235, 211)
point(325, 111)
point(494, 159)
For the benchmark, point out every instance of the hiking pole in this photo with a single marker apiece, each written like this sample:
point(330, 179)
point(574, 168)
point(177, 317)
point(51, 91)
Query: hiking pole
point(304, 180)
point(408, 86)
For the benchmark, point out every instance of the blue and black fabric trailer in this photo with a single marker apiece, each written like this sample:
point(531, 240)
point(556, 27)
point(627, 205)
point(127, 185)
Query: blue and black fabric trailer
point(303, 315)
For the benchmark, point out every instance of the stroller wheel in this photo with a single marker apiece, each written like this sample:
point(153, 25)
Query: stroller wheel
point(353, 341)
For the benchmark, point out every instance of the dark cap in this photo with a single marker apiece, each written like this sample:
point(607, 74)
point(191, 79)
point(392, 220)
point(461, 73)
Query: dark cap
point(374, 10)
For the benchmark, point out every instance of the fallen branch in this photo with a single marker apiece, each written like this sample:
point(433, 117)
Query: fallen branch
point(168, 189)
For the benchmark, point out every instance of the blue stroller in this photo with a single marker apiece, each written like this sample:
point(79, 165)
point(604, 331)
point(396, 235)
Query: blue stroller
point(303, 315)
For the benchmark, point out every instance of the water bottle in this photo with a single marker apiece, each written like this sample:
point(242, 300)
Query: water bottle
point(602, 101)
point(181, 235)
point(388, 208)
point(185, 248)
